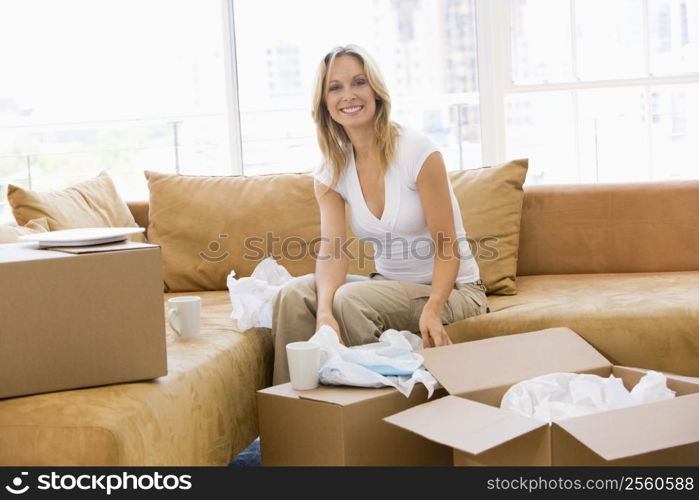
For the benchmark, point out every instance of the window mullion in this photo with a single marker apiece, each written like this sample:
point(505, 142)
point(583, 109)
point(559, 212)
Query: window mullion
point(576, 131)
point(492, 34)
point(646, 89)
point(576, 77)
point(574, 43)
point(646, 40)
point(646, 93)
point(649, 130)
point(232, 99)
point(598, 84)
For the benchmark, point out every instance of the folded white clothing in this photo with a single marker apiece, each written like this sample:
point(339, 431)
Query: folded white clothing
point(390, 362)
point(562, 395)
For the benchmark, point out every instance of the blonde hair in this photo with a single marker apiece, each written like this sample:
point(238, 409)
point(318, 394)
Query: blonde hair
point(333, 141)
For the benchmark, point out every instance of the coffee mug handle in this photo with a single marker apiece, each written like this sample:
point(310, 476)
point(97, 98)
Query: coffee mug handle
point(171, 319)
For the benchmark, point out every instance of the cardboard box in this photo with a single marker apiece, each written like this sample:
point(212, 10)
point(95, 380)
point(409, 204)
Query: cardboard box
point(79, 320)
point(341, 426)
point(477, 374)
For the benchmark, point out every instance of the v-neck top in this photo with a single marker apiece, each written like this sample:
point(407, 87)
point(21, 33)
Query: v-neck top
point(403, 246)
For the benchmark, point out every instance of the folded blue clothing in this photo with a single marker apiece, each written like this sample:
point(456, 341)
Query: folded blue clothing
point(390, 362)
point(387, 370)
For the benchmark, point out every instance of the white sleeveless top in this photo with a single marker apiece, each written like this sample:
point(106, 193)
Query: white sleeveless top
point(403, 246)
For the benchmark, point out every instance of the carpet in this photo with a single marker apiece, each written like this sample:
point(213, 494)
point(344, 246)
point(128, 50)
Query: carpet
point(249, 457)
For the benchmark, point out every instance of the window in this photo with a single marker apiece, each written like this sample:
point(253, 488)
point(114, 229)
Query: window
point(588, 90)
point(426, 50)
point(603, 90)
point(122, 85)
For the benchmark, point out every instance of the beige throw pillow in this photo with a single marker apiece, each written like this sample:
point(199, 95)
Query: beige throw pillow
point(490, 199)
point(10, 233)
point(92, 203)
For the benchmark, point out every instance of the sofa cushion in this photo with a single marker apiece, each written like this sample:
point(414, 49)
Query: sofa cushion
point(11, 233)
point(490, 200)
point(204, 412)
point(208, 226)
point(92, 203)
point(646, 320)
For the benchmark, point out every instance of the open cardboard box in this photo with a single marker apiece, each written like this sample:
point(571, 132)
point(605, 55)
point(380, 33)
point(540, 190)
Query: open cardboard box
point(477, 374)
point(342, 426)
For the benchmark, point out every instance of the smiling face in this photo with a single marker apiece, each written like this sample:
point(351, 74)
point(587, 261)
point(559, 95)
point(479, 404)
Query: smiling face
point(349, 98)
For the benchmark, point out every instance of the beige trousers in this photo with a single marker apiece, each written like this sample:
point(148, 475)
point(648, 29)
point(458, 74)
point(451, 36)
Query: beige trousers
point(364, 308)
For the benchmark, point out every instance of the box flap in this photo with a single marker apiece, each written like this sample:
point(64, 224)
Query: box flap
point(502, 361)
point(680, 384)
point(639, 429)
point(463, 424)
point(342, 396)
point(21, 252)
point(643, 371)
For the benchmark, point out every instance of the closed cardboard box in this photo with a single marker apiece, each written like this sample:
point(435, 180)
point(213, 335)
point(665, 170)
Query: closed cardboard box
point(341, 426)
point(477, 374)
point(79, 320)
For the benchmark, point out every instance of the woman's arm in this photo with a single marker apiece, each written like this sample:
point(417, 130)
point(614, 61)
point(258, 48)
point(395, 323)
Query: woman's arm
point(332, 264)
point(433, 187)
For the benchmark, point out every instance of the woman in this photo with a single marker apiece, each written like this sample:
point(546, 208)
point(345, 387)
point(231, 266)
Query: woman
point(395, 183)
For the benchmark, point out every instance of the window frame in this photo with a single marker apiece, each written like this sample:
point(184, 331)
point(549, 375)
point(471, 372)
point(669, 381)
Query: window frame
point(496, 81)
point(235, 139)
point(494, 78)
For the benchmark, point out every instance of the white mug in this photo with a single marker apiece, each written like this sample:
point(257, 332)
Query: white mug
point(183, 315)
point(304, 364)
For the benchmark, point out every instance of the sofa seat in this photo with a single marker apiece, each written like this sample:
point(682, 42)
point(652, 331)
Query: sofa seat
point(202, 413)
point(647, 320)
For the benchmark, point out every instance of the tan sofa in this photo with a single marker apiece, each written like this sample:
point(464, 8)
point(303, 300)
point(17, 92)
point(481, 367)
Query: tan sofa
point(618, 264)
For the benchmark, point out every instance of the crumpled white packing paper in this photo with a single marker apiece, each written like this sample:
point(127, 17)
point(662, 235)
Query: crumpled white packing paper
point(253, 297)
point(562, 395)
point(390, 362)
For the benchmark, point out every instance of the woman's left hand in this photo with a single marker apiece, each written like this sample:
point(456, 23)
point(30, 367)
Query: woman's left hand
point(432, 329)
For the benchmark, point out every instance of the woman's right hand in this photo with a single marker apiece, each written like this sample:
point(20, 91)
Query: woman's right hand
point(329, 320)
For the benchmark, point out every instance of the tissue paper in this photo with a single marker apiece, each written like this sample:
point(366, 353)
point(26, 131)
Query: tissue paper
point(253, 297)
point(652, 387)
point(390, 362)
point(561, 395)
